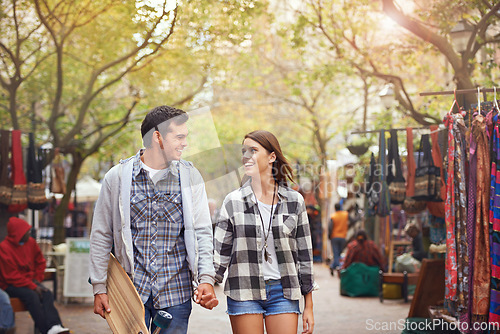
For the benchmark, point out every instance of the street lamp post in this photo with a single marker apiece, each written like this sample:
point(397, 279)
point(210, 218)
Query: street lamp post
point(460, 35)
point(387, 96)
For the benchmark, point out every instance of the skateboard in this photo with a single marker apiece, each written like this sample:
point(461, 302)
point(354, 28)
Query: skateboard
point(127, 309)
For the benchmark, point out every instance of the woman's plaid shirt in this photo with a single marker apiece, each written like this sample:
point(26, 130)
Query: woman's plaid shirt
point(238, 245)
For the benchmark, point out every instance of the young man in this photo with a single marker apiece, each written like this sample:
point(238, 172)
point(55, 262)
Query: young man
point(337, 231)
point(22, 268)
point(153, 211)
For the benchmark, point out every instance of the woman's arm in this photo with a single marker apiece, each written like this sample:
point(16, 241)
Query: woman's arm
point(304, 249)
point(307, 316)
point(223, 242)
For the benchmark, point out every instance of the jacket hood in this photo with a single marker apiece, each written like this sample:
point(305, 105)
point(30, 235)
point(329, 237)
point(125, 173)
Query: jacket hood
point(16, 229)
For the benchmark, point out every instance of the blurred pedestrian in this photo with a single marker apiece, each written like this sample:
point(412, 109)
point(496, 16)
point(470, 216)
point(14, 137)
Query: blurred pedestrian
point(314, 217)
point(262, 238)
point(337, 231)
point(22, 268)
point(363, 250)
point(414, 232)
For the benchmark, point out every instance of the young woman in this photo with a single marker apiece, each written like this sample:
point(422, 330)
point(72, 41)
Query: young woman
point(263, 238)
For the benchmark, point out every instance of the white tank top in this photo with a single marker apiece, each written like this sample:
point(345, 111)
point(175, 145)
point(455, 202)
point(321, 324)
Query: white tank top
point(270, 270)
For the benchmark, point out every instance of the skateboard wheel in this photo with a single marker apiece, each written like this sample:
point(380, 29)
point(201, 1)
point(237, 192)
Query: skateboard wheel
point(162, 319)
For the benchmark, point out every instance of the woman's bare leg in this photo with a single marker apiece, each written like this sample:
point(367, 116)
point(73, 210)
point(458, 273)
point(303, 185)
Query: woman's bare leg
point(247, 324)
point(285, 323)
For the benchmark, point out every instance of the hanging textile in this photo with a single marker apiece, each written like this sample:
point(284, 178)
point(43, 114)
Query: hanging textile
point(19, 200)
point(480, 197)
point(395, 181)
point(37, 199)
point(436, 208)
point(451, 251)
point(411, 205)
point(427, 175)
point(461, 217)
point(466, 317)
point(494, 228)
point(5, 181)
point(384, 206)
point(372, 194)
point(58, 185)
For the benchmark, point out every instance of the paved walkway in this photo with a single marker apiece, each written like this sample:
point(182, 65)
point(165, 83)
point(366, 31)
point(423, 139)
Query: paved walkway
point(333, 313)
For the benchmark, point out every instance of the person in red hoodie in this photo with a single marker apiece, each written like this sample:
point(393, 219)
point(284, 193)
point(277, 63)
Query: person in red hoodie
point(22, 268)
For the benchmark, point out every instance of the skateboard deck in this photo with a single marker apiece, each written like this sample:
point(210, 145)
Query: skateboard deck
point(127, 309)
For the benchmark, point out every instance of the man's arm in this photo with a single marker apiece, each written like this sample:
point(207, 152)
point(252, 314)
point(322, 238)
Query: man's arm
point(202, 225)
point(101, 241)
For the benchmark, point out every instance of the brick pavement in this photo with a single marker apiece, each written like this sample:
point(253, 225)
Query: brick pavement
point(333, 313)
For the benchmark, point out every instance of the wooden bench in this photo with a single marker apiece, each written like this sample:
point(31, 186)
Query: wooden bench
point(403, 279)
point(50, 275)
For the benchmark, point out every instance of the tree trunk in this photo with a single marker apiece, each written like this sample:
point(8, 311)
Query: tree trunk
point(13, 108)
point(464, 81)
point(62, 208)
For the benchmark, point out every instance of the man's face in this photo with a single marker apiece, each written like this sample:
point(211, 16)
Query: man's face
point(174, 141)
point(25, 237)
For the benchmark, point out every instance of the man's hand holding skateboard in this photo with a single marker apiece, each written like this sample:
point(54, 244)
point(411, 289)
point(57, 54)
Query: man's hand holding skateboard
point(101, 304)
point(205, 296)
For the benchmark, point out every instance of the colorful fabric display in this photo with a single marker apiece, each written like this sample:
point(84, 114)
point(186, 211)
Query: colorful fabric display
point(411, 205)
point(384, 206)
point(19, 200)
point(37, 199)
point(396, 181)
point(5, 181)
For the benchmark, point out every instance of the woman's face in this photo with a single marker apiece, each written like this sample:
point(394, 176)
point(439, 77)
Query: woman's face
point(256, 159)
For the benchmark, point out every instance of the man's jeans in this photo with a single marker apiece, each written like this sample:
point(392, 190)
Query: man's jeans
point(6, 313)
point(180, 317)
point(338, 245)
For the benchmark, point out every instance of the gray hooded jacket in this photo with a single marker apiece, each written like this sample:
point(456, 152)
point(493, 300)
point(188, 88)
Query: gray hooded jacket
point(111, 225)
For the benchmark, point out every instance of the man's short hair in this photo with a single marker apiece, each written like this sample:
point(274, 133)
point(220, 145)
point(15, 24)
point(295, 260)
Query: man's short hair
point(338, 207)
point(160, 118)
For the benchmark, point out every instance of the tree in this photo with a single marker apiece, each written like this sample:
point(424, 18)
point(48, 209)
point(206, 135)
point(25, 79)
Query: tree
point(85, 65)
point(482, 14)
point(350, 32)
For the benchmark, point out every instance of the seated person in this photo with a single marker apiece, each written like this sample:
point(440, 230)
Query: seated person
point(22, 268)
point(413, 231)
point(363, 250)
point(6, 314)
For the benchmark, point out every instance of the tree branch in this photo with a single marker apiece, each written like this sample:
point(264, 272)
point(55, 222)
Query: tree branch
point(193, 94)
point(441, 43)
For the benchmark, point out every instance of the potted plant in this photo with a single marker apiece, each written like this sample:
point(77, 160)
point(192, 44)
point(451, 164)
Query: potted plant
point(359, 146)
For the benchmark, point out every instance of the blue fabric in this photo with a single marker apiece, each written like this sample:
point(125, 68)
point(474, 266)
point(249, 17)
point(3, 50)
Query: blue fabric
point(180, 317)
point(338, 245)
point(275, 303)
point(6, 313)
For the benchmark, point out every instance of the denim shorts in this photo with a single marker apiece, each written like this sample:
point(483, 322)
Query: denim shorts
point(275, 303)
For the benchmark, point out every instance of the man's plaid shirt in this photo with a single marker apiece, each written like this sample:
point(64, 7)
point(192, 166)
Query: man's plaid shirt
point(160, 264)
point(239, 243)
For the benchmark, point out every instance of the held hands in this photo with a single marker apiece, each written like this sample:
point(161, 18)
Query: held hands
point(101, 304)
point(205, 296)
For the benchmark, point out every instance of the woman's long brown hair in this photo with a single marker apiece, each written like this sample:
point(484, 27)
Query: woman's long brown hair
point(281, 168)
